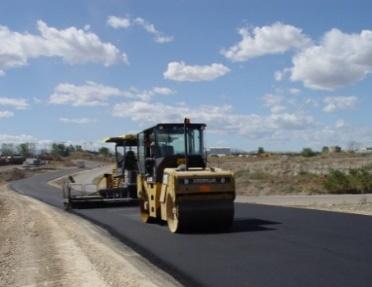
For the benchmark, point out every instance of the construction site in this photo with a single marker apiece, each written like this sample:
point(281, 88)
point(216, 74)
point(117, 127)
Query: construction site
point(162, 177)
point(185, 143)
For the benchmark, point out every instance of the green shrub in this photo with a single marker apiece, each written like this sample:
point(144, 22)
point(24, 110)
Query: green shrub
point(246, 175)
point(337, 182)
point(358, 180)
point(308, 152)
point(325, 149)
point(104, 151)
point(361, 180)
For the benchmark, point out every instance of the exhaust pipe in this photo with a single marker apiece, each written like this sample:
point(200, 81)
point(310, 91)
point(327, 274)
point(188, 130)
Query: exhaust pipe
point(186, 122)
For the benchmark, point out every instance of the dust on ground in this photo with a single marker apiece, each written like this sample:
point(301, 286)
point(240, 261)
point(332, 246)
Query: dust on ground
point(43, 246)
point(15, 172)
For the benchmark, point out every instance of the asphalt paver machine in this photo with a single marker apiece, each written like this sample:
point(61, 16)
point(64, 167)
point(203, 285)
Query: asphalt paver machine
point(111, 188)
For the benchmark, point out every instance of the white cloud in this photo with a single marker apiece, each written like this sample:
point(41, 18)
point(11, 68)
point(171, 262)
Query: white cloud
point(162, 90)
point(74, 46)
point(218, 118)
point(145, 111)
point(294, 91)
point(159, 37)
point(311, 102)
point(340, 124)
point(6, 114)
point(275, 127)
point(146, 95)
point(340, 134)
point(94, 94)
point(89, 94)
point(276, 103)
point(338, 60)
point(275, 39)
point(16, 139)
point(116, 22)
point(179, 71)
point(278, 76)
point(333, 104)
point(126, 22)
point(291, 121)
point(271, 100)
point(77, 120)
point(19, 104)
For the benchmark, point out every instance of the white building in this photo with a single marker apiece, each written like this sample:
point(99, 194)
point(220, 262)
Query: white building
point(365, 150)
point(219, 151)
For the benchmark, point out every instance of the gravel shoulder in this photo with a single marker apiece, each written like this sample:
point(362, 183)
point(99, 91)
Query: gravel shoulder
point(43, 246)
point(349, 203)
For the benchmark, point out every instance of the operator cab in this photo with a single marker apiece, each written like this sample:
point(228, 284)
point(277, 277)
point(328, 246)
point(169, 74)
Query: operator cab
point(126, 162)
point(170, 145)
point(124, 154)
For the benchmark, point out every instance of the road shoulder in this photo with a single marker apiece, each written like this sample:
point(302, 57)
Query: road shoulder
point(42, 245)
point(348, 203)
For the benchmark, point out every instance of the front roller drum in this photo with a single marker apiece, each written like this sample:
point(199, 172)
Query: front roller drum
point(203, 215)
point(144, 212)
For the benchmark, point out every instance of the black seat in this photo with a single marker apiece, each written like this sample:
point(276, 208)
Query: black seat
point(130, 161)
point(166, 150)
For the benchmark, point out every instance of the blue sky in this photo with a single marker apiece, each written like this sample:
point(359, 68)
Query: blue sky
point(278, 74)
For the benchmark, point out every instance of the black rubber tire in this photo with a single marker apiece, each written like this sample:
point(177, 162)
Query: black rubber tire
point(67, 206)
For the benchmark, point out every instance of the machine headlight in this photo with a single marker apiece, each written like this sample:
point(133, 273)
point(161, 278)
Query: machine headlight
point(186, 181)
point(223, 180)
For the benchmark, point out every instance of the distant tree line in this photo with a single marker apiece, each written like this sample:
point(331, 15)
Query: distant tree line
point(23, 149)
point(308, 152)
point(56, 150)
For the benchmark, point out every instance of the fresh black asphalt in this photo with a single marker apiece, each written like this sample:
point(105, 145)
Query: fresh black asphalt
point(267, 246)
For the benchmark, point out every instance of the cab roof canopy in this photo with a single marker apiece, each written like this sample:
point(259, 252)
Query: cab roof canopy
point(177, 125)
point(125, 140)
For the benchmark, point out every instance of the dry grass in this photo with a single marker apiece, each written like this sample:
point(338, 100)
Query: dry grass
point(287, 174)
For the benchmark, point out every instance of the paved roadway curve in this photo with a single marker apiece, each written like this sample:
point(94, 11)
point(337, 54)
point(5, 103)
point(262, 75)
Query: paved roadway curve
point(268, 246)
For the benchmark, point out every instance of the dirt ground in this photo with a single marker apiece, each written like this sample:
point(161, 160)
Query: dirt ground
point(43, 246)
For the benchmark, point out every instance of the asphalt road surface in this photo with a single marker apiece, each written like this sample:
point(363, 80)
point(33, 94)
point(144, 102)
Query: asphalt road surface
point(268, 246)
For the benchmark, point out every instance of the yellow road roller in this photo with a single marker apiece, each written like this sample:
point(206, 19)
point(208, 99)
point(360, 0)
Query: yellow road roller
point(174, 183)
